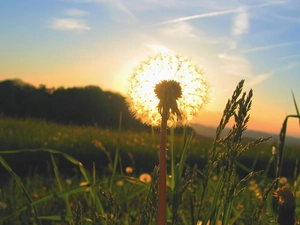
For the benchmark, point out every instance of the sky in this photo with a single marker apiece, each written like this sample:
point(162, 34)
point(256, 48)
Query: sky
point(75, 43)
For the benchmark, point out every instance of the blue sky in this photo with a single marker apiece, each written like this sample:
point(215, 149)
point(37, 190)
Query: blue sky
point(99, 42)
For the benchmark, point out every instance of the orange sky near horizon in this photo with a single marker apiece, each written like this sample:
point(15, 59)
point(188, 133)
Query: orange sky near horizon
point(212, 118)
point(75, 43)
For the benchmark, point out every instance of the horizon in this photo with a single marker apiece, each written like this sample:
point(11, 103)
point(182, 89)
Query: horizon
point(208, 118)
point(75, 43)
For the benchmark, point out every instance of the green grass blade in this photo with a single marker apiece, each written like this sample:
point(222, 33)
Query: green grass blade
point(296, 183)
point(237, 216)
point(60, 186)
point(295, 103)
point(227, 212)
point(20, 184)
point(184, 152)
point(282, 137)
point(213, 209)
point(73, 160)
point(116, 159)
point(173, 179)
point(65, 218)
point(52, 197)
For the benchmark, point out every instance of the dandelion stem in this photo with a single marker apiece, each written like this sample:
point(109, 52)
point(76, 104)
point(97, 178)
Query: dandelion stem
point(162, 171)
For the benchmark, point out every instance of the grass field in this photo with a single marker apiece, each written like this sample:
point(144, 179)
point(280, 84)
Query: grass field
point(94, 146)
point(58, 174)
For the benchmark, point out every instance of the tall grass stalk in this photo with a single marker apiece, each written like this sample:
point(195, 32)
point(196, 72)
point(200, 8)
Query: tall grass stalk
point(223, 156)
point(282, 137)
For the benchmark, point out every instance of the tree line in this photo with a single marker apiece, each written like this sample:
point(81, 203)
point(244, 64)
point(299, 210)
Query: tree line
point(88, 105)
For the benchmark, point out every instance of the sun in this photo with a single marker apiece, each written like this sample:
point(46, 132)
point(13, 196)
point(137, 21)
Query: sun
point(141, 97)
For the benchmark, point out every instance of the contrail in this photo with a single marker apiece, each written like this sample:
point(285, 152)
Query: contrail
point(213, 14)
point(205, 15)
point(266, 47)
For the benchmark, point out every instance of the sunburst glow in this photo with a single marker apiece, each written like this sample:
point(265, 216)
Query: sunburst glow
point(143, 102)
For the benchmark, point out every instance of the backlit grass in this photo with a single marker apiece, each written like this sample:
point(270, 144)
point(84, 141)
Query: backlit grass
point(76, 177)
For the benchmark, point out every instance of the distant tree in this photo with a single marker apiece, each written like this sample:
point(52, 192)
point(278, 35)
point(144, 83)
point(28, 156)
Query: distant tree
point(77, 105)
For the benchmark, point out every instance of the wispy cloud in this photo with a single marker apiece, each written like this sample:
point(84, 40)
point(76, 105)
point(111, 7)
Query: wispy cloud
point(290, 66)
point(235, 65)
point(69, 24)
point(116, 4)
point(289, 19)
point(267, 47)
point(240, 22)
point(258, 79)
point(270, 3)
point(290, 57)
point(180, 30)
point(76, 12)
point(122, 7)
point(158, 48)
point(241, 67)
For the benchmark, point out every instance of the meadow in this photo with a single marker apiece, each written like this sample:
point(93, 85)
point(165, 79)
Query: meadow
point(67, 174)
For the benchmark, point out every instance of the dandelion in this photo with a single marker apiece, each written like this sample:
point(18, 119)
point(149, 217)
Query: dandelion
point(3, 205)
point(84, 183)
point(172, 77)
point(68, 181)
point(166, 90)
point(119, 183)
point(240, 206)
point(128, 170)
point(273, 150)
point(286, 205)
point(35, 195)
point(215, 178)
point(145, 177)
point(283, 181)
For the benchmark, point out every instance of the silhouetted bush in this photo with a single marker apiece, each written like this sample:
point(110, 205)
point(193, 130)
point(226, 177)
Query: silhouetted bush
point(88, 105)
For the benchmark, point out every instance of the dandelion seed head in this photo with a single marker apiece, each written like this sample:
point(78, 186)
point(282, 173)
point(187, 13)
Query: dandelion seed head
point(143, 101)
